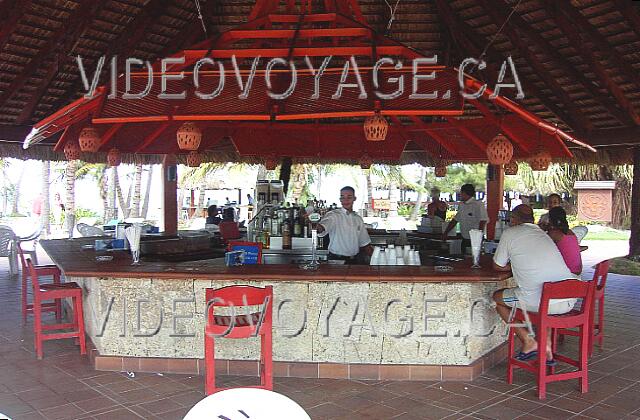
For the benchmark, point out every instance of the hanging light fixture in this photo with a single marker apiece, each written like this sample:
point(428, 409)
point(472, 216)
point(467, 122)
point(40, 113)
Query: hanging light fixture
point(499, 150)
point(189, 136)
point(89, 140)
point(113, 157)
point(194, 159)
point(375, 127)
point(540, 160)
point(511, 168)
point(270, 162)
point(71, 150)
point(441, 169)
point(365, 162)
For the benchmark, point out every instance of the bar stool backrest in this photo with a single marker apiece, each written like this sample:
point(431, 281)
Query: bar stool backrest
point(566, 289)
point(242, 296)
point(35, 282)
point(600, 276)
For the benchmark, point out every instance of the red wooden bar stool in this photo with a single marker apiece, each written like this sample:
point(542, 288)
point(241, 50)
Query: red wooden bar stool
point(596, 330)
point(42, 270)
point(542, 321)
point(57, 292)
point(239, 326)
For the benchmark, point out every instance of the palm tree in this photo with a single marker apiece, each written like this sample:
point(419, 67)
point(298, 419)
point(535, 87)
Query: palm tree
point(421, 189)
point(137, 187)
point(147, 194)
point(70, 196)
point(16, 192)
point(391, 176)
point(45, 220)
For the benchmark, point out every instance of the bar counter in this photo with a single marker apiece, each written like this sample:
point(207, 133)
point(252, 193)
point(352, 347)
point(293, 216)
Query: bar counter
point(343, 319)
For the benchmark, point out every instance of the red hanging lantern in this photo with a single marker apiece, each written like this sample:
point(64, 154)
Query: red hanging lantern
point(71, 150)
point(365, 162)
point(89, 140)
point(540, 160)
point(499, 150)
point(511, 168)
point(194, 159)
point(375, 127)
point(113, 157)
point(270, 162)
point(189, 136)
point(441, 170)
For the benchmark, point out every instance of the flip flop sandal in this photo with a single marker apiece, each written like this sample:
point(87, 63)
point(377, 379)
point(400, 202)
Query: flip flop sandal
point(523, 357)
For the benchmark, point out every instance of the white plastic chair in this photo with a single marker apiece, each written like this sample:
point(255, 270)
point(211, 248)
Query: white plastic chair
point(580, 232)
point(86, 230)
point(33, 237)
point(8, 248)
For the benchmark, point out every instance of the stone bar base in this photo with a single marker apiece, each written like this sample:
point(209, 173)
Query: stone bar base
point(305, 369)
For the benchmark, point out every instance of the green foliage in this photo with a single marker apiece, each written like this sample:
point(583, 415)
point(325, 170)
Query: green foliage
point(82, 212)
point(404, 210)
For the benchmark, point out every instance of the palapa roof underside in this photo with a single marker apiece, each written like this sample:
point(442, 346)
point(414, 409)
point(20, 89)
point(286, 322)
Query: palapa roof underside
point(578, 61)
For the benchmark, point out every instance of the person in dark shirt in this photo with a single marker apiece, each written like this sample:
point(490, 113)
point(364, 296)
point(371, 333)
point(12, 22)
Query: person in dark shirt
point(213, 217)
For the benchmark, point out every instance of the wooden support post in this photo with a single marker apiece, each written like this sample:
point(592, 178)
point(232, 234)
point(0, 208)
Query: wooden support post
point(170, 194)
point(634, 239)
point(495, 188)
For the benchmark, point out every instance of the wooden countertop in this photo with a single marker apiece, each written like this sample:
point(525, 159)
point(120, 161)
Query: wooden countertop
point(76, 261)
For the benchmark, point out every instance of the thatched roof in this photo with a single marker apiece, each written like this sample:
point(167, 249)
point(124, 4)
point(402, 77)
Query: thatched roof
point(579, 61)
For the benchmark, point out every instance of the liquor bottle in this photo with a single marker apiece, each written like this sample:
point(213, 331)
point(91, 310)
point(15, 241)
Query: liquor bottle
point(275, 225)
point(286, 234)
point(297, 228)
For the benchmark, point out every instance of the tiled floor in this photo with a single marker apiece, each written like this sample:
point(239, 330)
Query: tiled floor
point(64, 385)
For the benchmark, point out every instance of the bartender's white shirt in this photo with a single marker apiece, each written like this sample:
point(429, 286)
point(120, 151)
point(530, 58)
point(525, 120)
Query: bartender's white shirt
point(346, 231)
point(534, 258)
point(469, 215)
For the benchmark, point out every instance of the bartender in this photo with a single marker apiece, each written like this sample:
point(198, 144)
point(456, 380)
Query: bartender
point(349, 236)
point(471, 214)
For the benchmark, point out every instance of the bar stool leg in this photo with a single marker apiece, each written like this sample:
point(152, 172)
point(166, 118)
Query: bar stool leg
point(267, 360)
point(79, 315)
point(24, 297)
point(37, 327)
point(210, 366)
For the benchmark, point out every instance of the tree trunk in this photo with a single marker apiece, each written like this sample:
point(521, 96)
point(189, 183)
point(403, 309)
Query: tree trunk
point(634, 240)
point(104, 194)
point(121, 199)
point(418, 206)
point(369, 205)
point(394, 197)
point(262, 172)
point(45, 220)
point(137, 187)
point(113, 208)
point(298, 181)
point(70, 197)
point(16, 195)
point(147, 194)
point(200, 204)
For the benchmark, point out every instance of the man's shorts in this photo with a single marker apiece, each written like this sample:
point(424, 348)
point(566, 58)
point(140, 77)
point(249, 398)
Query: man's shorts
point(556, 306)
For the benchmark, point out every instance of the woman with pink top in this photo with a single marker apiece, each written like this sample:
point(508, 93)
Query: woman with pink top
point(565, 239)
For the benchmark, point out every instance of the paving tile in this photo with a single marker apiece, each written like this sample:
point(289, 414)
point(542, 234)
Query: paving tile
point(327, 411)
point(66, 411)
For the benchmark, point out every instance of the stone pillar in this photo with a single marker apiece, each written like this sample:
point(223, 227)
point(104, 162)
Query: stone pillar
point(170, 195)
point(495, 188)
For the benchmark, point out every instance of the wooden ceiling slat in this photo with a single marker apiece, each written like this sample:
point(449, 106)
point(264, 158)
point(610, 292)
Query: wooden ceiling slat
point(496, 11)
point(569, 28)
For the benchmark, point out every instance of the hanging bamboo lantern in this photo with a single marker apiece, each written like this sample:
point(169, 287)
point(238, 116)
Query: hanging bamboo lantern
point(540, 160)
point(71, 150)
point(365, 162)
point(89, 140)
point(113, 157)
point(270, 162)
point(375, 128)
point(511, 168)
point(194, 159)
point(189, 136)
point(499, 150)
point(441, 170)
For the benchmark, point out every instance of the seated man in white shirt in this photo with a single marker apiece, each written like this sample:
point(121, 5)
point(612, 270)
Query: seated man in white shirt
point(347, 233)
point(534, 259)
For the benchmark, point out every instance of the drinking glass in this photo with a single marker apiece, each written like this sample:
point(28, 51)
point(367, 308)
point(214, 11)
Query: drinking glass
point(135, 254)
point(475, 255)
